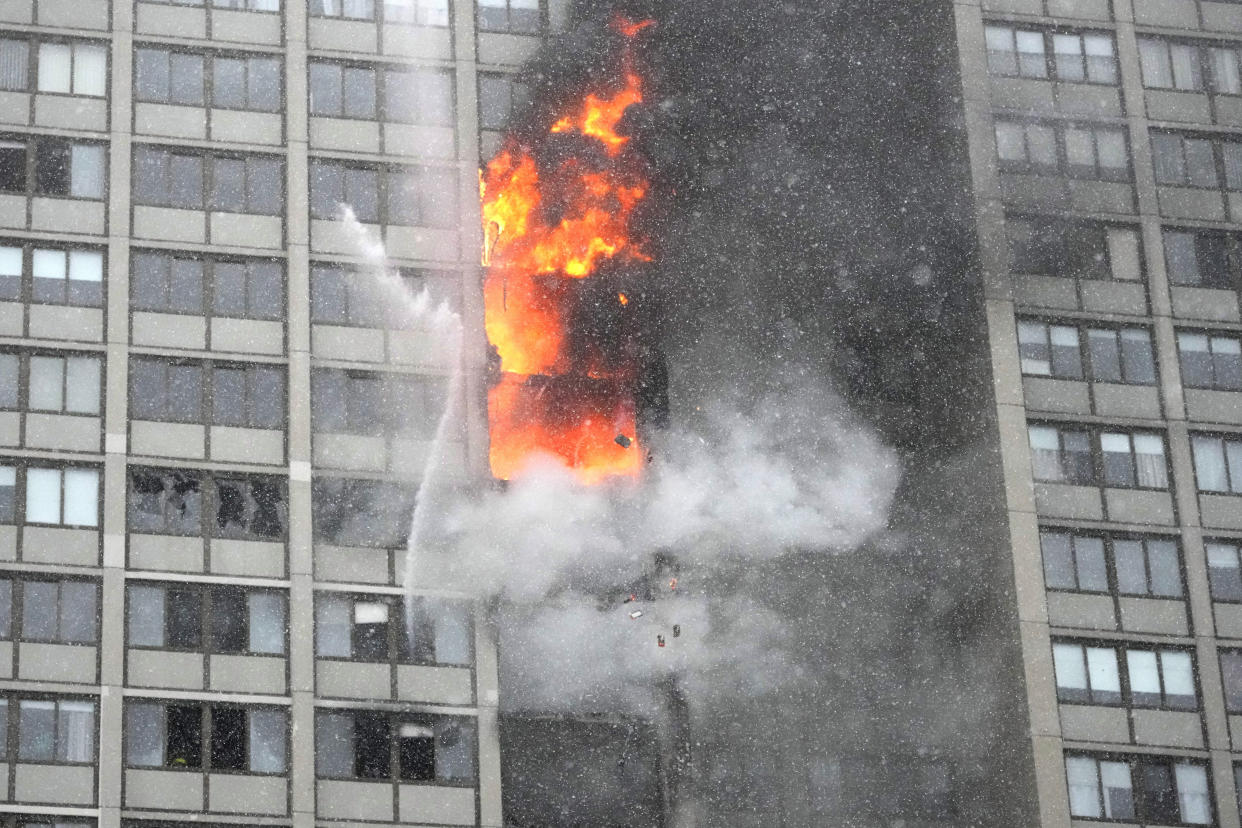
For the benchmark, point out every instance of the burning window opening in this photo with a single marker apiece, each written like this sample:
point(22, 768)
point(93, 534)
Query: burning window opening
point(558, 241)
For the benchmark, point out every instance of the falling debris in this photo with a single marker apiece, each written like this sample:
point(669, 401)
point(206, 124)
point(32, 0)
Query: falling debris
point(623, 441)
point(636, 614)
point(677, 631)
point(659, 641)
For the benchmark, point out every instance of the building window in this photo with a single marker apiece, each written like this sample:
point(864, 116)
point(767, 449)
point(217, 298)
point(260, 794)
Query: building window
point(73, 68)
point(62, 496)
point(1189, 68)
point(61, 612)
point(214, 619)
point(405, 747)
point(365, 403)
point(1224, 574)
point(1218, 463)
point(516, 16)
point(1076, 58)
point(1089, 563)
point(340, 90)
point(52, 167)
point(191, 79)
point(54, 730)
point(377, 628)
point(500, 97)
point(1210, 361)
point(240, 395)
point(1190, 161)
point(416, 196)
point(238, 288)
point(1127, 460)
point(167, 501)
point(1113, 355)
point(1077, 150)
point(1086, 674)
point(1203, 258)
point(417, 12)
point(208, 737)
point(55, 383)
point(14, 65)
point(1161, 679)
point(1170, 65)
point(370, 513)
point(61, 276)
point(1084, 250)
point(189, 180)
point(1150, 790)
point(243, 5)
point(1231, 676)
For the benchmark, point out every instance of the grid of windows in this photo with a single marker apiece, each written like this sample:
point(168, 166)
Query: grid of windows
point(54, 496)
point(1188, 67)
point(63, 67)
point(416, 196)
point(1206, 258)
point(223, 394)
point(384, 628)
point(47, 610)
point(1218, 462)
point(516, 16)
point(214, 619)
point(1197, 161)
point(1155, 678)
point(412, 12)
point(204, 284)
point(48, 382)
point(198, 180)
point(54, 275)
point(395, 94)
point(1042, 246)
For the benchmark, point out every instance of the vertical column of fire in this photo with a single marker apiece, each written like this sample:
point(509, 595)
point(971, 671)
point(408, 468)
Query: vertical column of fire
point(557, 211)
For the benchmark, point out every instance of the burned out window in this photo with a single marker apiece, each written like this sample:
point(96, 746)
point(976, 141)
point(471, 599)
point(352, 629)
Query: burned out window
point(363, 745)
point(1203, 258)
point(214, 619)
point(1084, 250)
point(43, 165)
point(371, 513)
point(173, 501)
point(213, 737)
point(400, 630)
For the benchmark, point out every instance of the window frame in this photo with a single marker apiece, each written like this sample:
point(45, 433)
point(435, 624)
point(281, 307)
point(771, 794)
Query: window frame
point(1051, 67)
point(1225, 440)
point(1234, 546)
point(374, 489)
point(508, 28)
point(399, 650)
point(35, 73)
point(1043, 228)
point(205, 736)
point(207, 396)
point(393, 720)
point(1108, 542)
point(13, 736)
point(379, 14)
point(385, 191)
point(1220, 167)
point(1205, 65)
point(206, 595)
point(22, 492)
point(1122, 653)
point(207, 159)
point(1211, 337)
point(1098, 462)
point(209, 58)
point(1062, 165)
point(209, 5)
point(1086, 365)
point(1134, 763)
point(207, 283)
point(208, 487)
point(33, 142)
point(22, 387)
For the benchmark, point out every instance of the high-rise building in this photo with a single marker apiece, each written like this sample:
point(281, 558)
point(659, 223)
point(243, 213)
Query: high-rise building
point(211, 408)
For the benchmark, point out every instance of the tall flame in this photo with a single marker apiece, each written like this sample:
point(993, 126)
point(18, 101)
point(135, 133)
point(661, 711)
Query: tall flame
point(547, 228)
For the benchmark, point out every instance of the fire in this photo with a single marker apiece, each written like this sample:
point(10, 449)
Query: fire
point(548, 228)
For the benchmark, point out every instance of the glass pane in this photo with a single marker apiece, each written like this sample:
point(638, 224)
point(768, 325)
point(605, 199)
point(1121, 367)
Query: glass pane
point(81, 497)
point(263, 86)
point(151, 75)
point(1105, 355)
point(267, 622)
point(1224, 574)
point(1179, 680)
point(1102, 672)
point(47, 383)
point(43, 496)
point(146, 616)
point(452, 633)
point(333, 626)
point(14, 65)
point(55, 68)
point(1200, 163)
point(359, 92)
point(228, 618)
point(1186, 71)
point(267, 741)
point(1169, 162)
point(228, 189)
point(185, 79)
point(1118, 793)
point(1149, 461)
point(39, 613)
point(6, 608)
point(325, 89)
point(1010, 142)
point(1231, 675)
point(90, 70)
point(1183, 261)
point(1210, 463)
point(1137, 361)
point(1144, 677)
point(144, 742)
point(1192, 794)
point(334, 745)
point(1092, 574)
point(78, 611)
point(1084, 786)
point(1225, 78)
point(1131, 567)
point(264, 186)
point(1166, 576)
point(1118, 461)
point(36, 726)
point(75, 732)
point(82, 382)
point(1066, 358)
point(1071, 672)
point(1058, 561)
point(228, 83)
point(185, 181)
point(1154, 59)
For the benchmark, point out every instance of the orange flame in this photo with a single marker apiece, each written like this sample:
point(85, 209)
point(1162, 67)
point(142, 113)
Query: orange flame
point(544, 230)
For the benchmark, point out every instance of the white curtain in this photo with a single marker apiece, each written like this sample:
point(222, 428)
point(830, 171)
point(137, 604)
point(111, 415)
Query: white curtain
point(1192, 794)
point(75, 737)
